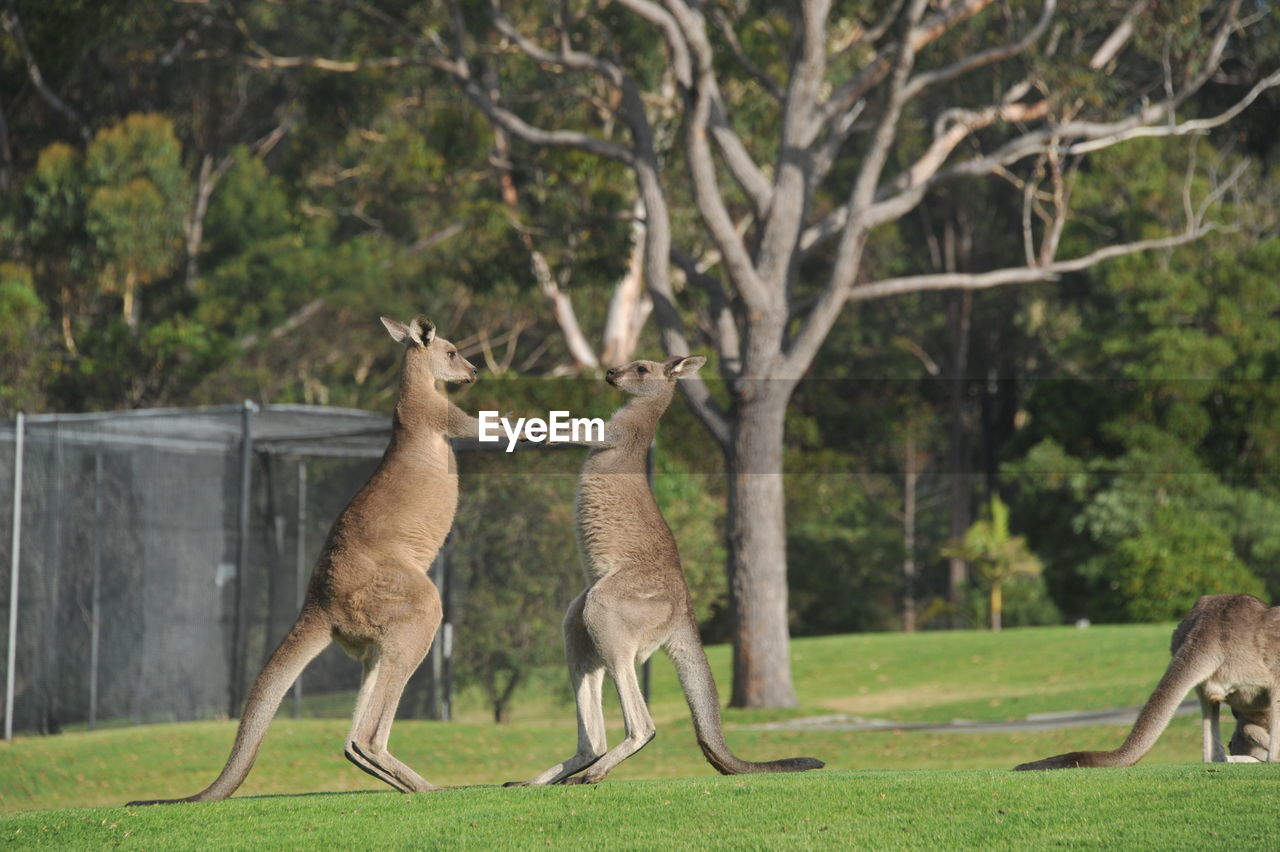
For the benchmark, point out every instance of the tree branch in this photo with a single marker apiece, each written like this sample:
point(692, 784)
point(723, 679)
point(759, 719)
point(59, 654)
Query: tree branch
point(776, 256)
point(986, 57)
point(1017, 275)
point(1119, 36)
point(1090, 136)
point(687, 28)
point(930, 30)
point(757, 73)
point(685, 33)
point(12, 24)
point(848, 255)
point(1186, 128)
point(723, 330)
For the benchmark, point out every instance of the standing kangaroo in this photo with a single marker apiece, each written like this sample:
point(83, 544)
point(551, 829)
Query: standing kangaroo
point(1228, 648)
point(370, 591)
point(636, 599)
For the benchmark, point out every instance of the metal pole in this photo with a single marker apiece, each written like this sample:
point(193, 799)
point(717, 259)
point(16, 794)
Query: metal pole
point(644, 667)
point(446, 632)
point(242, 557)
point(95, 603)
point(300, 564)
point(15, 543)
point(435, 656)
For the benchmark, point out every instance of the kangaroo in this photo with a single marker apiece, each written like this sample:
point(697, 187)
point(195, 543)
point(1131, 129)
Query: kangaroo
point(1251, 741)
point(636, 599)
point(1228, 648)
point(369, 591)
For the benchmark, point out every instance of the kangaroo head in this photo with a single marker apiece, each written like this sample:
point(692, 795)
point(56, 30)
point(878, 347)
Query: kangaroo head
point(651, 378)
point(426, 351)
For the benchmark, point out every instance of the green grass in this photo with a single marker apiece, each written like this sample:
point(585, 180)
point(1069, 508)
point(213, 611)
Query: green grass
point(960, 795)
point(1149, 808)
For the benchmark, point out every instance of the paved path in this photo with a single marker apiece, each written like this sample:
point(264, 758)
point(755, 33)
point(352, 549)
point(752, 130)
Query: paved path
point(1034, 722)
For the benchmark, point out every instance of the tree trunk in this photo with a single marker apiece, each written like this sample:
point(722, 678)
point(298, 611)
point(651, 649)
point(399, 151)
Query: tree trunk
point(909, 568)
point(758, 554)
point(130, 301)
point(500, 698)
point(630, 305)
point(997, 605)
point(958, 569)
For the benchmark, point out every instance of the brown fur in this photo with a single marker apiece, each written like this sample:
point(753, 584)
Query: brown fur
point(369, 591)
point(1228, 648)
point(636, 599)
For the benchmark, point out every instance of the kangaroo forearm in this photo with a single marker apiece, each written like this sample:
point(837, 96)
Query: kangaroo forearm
point(461, 424)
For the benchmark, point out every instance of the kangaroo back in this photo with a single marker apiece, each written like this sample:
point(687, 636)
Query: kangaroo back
point(308, 637)
point(690, 661)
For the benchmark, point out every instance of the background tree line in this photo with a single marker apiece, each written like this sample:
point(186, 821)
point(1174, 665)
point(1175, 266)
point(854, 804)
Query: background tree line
point(210, 200)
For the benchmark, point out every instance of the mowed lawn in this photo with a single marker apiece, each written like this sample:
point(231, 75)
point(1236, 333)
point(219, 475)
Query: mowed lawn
point(959, 791)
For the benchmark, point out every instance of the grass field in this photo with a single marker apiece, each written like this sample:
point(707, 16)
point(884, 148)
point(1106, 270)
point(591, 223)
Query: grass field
point(66, 791)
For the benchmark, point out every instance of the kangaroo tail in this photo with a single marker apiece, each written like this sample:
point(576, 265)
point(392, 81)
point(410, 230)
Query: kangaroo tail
point(1185, 670)
point(308, 637)
point(699, 687)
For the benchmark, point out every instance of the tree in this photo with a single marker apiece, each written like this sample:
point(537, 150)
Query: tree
point(22, 324)
point(871, 117)
point(1142, 472)
point(776, 154)
point(136, 198)
point(998, 555)
point(850, 99)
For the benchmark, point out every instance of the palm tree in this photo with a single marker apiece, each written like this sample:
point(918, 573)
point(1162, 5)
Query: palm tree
point(997, 555)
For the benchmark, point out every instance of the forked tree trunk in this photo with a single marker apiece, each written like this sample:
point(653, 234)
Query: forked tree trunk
point(758, 555)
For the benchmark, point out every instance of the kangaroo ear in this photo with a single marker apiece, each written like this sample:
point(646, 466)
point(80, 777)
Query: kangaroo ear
point(677, 367)
point(399, 331)
point(422, 330)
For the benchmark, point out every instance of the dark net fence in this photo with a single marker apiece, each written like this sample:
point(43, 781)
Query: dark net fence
point(159, 562)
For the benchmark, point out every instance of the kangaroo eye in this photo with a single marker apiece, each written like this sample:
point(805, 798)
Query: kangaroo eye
point(453, 354)
point(642, 370)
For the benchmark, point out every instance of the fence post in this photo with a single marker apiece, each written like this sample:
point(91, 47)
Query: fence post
point(95, 603)
point(14, 546)
point(300, 565)
point(238, 642)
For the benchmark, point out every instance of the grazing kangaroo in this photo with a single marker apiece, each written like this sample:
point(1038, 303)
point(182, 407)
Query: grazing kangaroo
point(636, 599)
point(369, 591)
point(1228, 648)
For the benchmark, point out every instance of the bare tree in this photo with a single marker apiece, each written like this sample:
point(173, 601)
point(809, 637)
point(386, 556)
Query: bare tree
point(878, 97)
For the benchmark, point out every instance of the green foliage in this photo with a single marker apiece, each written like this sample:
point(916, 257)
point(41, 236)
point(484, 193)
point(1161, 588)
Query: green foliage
point(135, 200)
point(843, 551)
point(22, 326)
point(348, 195)
point(696, 519)
point(1159, 574)
point(1141, 474)
point(513, 579)
point(997, 555)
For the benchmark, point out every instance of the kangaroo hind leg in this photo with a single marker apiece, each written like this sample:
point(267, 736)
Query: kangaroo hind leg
point(586, 672)
point(635, 716)
point(387, 671)
point(1211, 736)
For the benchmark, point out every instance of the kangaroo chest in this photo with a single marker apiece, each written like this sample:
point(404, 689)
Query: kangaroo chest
point(619, 526)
